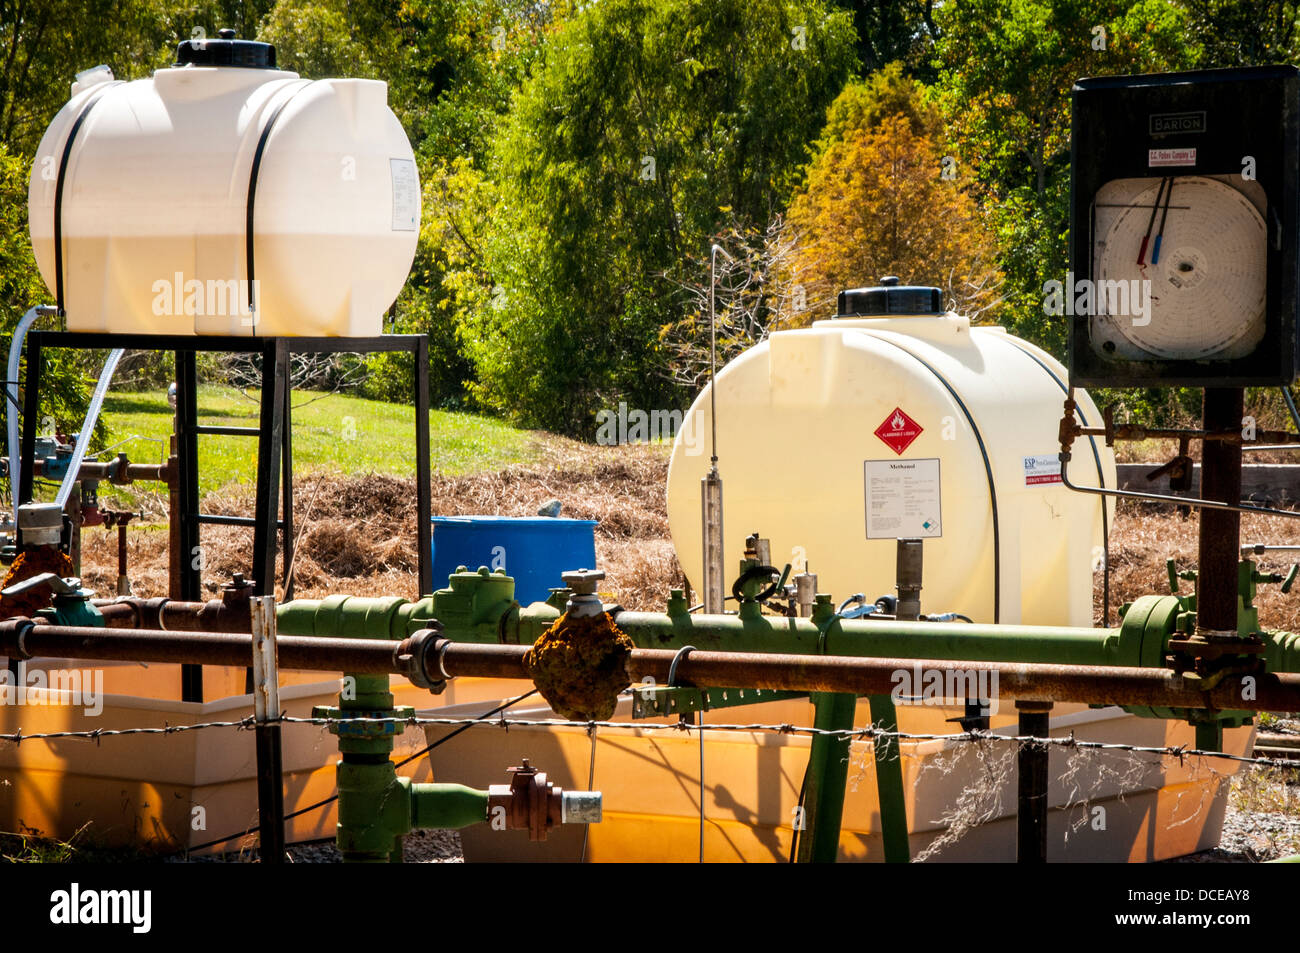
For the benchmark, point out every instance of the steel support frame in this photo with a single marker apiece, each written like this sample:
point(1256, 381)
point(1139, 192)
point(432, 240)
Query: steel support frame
point(274, 462)
point(275, 452)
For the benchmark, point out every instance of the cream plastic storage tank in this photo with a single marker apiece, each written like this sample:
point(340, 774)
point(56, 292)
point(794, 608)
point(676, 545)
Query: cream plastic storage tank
point(898, 420)
point(225, 196)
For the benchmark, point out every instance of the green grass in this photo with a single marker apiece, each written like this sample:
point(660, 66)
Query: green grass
point(330, 431)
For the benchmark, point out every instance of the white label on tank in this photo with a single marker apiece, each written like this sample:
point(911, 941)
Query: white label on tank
point(406, 195)
point(1043, 468)
point(903, 499)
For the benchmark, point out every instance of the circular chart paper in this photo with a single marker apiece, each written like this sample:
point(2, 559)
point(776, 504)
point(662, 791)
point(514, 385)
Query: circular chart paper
point(1208, 285)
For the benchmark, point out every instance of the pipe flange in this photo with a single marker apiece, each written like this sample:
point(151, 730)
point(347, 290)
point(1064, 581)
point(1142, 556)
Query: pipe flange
point(412, 657)
point(22, 627)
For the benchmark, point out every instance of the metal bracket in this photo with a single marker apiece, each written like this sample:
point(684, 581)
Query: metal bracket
point(659, 701)
point(347, 723)
point(1206, 658)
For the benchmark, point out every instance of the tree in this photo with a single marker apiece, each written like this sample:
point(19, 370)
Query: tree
point(878, 203)
point(646, 125)
point(1005, 75)
point(752, 291)
point(1231, 33)
point(893, 30)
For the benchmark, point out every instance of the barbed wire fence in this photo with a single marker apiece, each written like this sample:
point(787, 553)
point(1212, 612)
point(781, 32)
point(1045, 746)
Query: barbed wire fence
point(986, 757)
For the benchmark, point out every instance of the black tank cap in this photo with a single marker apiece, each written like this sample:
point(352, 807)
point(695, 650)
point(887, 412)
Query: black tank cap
point(889, 297)
point(225, 50)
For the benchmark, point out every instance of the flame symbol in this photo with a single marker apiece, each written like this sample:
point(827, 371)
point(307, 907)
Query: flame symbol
point(897, 421)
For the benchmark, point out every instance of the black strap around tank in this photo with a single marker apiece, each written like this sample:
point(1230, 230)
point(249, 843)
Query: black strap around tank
point(58, 193)
point(252, 195)
point(988, 471)
point(1101, 475)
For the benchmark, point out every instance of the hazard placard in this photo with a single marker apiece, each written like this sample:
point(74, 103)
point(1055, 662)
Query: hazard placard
point(898, 431)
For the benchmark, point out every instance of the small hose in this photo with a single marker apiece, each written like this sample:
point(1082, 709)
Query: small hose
point(947, 617)
point(756, 572)
point(856, 597)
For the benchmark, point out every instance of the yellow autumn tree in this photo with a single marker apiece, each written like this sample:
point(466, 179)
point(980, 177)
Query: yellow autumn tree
point(882, 198)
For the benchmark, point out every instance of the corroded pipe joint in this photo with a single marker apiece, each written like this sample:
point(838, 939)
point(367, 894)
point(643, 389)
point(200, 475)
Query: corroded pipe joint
point(19, 627)
point(417, 658)
point(150, 611)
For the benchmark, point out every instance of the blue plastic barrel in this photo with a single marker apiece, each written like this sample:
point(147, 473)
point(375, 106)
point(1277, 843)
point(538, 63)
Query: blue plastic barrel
point(532, 549)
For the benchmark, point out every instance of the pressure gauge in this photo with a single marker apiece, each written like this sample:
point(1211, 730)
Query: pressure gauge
point(1179, 267)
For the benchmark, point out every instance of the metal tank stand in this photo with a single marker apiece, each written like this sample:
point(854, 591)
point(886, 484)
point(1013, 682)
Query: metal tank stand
point(274, 446)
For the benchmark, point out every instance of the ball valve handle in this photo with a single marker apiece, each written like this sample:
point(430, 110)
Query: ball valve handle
point(1287, 581)
point(71, 586)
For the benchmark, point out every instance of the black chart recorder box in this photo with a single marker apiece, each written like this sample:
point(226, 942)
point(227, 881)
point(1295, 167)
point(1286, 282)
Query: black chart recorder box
point(1183, 237)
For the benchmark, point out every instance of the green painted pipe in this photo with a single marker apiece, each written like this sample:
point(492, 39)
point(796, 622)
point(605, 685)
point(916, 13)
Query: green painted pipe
point(447, 806)
point(479, 607)
point(1128, 645)
point(828, 773)
point(889, 782)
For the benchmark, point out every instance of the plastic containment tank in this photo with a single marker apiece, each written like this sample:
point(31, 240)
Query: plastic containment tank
point(895, 419)
point(224, 196)
point(535, 550)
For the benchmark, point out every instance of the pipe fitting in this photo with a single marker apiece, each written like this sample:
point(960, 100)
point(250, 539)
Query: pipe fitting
point(412, 657)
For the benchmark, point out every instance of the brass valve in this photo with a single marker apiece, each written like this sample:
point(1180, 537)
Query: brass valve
point(532, 803)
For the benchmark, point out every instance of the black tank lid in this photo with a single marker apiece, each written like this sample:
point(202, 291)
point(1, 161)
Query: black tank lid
point(889, 297)
point(225, 50)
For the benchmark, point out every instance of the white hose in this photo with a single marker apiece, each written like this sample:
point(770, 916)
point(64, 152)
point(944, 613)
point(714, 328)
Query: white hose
point(11, 418)
point(92, 414)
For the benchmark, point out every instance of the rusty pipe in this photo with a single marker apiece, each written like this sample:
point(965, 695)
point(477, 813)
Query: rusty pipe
point(441, 658)
point(20, 638)
point(1085, 684)
point(175, 615)
point(94, 470)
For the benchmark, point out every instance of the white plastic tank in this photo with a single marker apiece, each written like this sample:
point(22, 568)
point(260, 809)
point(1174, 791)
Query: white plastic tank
point(896, 420)
point(175, 187)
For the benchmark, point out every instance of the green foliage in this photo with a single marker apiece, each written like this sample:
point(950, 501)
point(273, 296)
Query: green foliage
point(1006, 70)
point(646, 124)
point(894, 30)
point(864, 104)
point(317, 41)
point(1232, 33)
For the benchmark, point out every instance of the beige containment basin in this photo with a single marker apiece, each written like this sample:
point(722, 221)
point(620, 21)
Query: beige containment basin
point(169, 792)
point(1105, 806)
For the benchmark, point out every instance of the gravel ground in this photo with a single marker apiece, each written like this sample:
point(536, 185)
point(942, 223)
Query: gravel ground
point(1262, 823)
point(1263, 817)
point(420, 847)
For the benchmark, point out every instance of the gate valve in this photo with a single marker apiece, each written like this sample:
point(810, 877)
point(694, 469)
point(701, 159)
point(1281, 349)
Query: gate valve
point(71, 600)
point(1287, 581)
point(1174, 575)
point(532, 803)
point(1179, 470)
point(583, 601)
